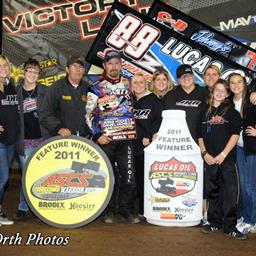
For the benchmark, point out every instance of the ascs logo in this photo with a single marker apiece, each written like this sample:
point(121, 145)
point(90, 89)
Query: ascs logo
point(72, 182)
point(173, 178)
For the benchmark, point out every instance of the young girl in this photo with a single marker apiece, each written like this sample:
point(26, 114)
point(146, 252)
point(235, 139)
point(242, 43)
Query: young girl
point(221, 125)
point(211, 75)
point(30, 96)
point(246, 152)
point(8, 128)
point(147, 113)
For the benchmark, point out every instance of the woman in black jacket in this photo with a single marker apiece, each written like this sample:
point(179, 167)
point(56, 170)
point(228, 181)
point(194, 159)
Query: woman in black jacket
point(9, 128)
point(147, 113)
point(30, 97)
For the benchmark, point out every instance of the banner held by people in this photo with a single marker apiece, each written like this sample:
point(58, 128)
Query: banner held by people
point(203, 34)
point(145, 44)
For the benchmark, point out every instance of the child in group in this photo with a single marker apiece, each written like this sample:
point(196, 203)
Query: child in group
point(147, 113)
point(211, 74)
point(30, 96)
point(246, 152)
point(220, 129)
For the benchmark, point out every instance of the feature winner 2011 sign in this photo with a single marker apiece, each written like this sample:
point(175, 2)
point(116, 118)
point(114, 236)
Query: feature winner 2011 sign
point(173, 176)
point(68, 182)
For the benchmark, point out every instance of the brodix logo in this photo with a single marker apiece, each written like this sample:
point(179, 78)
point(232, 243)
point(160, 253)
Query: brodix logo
point(173, 178)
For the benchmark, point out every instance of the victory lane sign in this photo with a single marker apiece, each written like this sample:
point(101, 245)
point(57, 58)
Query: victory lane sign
point(68, 182)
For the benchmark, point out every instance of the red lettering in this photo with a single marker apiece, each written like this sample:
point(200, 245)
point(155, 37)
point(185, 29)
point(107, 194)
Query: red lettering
point(163, 16)
point(70, 180)
point(252, 55)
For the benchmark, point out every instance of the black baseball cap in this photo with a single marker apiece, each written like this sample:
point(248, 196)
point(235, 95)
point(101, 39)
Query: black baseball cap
point(110, 54)
point(184, 69)
point(76, 59)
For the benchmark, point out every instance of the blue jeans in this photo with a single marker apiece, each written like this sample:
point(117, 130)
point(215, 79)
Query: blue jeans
point(247, 175)
point(251, 188)
point(6, 155)
point(22, 159)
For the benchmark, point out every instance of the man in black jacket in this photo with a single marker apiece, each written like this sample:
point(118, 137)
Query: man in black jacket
point(63, 110)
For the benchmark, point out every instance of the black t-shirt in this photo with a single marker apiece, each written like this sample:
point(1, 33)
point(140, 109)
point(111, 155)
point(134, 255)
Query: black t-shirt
point(147, 112)
point(217, 129)
point(9, 117)
point(31, 122)
point(192, 103)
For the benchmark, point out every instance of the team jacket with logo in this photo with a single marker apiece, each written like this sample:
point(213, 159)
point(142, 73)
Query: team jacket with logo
point(9, 117)
point(192, 103)
point(108, 99)
point(64, 107)
point(147, 112)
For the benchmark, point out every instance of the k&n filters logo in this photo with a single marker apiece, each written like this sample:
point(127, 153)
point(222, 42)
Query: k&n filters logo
point(173, 178)
point(68, 182)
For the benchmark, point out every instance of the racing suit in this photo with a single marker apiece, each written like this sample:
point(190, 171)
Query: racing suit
point(108, 99)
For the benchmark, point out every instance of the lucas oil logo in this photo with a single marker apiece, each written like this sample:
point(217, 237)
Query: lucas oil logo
point(173, 178)
point(67, 183)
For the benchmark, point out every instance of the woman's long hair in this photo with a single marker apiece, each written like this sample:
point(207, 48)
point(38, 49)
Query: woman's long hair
point(245, 90)
point(210, 100)
point(158, 72)
point(2, 82)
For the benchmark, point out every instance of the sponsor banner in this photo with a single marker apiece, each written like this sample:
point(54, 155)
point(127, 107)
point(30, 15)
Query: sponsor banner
point(68, 182)
point(146, 44)
point(237, 22)
point(203, 34)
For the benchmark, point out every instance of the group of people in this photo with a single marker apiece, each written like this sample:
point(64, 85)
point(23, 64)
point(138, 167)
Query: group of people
point(221, 118)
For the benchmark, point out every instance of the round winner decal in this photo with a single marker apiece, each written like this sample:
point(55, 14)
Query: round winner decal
point(68, 182)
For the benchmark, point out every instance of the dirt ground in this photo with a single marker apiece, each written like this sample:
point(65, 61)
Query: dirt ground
point(120, 238)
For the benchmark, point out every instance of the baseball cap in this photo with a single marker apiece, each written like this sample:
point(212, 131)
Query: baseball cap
point(110, 54)
point(76, 59)
point(183, 69)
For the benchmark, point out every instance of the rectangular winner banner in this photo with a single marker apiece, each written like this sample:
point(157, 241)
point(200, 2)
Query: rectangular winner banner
point(117, 120)
point(203, 34)
point(145, 44)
